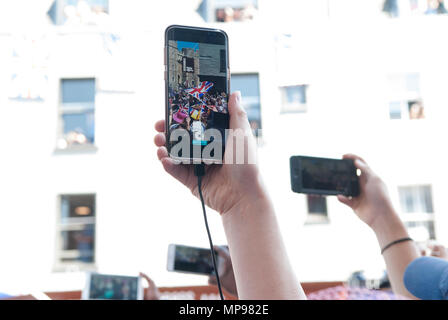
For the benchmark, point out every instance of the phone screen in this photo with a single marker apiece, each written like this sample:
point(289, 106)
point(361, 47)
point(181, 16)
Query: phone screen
point(197, 92)
point(191, 259)
point(324, 176)
point(114, 287)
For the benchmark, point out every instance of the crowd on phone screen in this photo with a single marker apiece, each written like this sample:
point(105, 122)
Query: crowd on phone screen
point(193, 114)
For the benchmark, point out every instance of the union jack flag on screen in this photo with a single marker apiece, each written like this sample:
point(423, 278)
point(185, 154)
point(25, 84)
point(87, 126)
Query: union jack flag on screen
point(199, 91)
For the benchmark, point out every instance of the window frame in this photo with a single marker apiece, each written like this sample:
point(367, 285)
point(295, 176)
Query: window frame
point(404, 95)
point(314, 218)
point(418, 216)
point(73, 224)
point(78, 108)
point(59, 5)
point(295, 108)
point(249, 98)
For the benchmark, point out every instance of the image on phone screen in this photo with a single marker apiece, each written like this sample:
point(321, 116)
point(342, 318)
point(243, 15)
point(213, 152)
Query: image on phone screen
point(324, 176)
point(197, 90)
point(190, 259)
point(115, 287)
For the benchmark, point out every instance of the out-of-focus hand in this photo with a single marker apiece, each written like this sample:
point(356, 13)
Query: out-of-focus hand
point(226, 186)
point(373, 203)
point(152, 292)
point(439, 251)
point(225, 270)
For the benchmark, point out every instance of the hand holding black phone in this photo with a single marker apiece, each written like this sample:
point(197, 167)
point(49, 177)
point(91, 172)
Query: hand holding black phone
point(197, 80)
point(324, 176)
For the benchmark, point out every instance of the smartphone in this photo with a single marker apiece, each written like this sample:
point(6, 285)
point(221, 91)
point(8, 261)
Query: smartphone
point(324, 176)
point(197, 85)
point(190, 260)
point(115, 287)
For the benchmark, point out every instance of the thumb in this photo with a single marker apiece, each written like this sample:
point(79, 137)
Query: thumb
point(238, 116)
point(361, 165)
point(345, 200)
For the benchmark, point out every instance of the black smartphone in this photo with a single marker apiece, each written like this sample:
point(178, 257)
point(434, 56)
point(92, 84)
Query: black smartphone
point(324, 176)
point(197, 82)
point(190, 260)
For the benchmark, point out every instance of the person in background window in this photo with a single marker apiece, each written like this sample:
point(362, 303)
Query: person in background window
point(436, 250)
point(76, 137)
point(416, 111)
point(84, 241)
point(220, 15)
point(228, 14)
point(248, 13)
point(436, 7)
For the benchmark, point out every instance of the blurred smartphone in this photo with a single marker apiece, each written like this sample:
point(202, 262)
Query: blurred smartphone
point(197, 82)
point(324, 176)
point(190, 260)
point(114, 287)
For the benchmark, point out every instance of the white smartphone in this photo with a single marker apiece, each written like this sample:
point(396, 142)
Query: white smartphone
point(191, 260)
point(113, 287)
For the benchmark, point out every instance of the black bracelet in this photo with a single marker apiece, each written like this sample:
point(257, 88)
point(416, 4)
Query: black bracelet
point(395, 242)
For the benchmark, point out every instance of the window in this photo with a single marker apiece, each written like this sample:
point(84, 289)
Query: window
point(228, 10)
point(416, 199)
point(76, 113)
point(396, 8)
point(404, 97)
point(248, 84)
point(293, 99)
point(317, 209)
point(418, 213)
point(76, 232)
point(77, 12)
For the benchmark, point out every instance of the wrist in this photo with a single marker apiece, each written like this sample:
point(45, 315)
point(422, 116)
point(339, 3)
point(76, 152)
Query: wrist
point(389, 227)
point(255, 204)
point(254, 197)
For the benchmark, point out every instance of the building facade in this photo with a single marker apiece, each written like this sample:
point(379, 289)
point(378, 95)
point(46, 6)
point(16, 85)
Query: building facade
point(81, 186)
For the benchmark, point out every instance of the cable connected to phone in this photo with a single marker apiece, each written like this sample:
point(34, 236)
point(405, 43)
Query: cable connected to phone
point(199, 171)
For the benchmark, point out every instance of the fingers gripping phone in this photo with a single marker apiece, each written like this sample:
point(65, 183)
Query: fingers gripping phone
point(197, 82)
point(191, 260)
point(324, 176)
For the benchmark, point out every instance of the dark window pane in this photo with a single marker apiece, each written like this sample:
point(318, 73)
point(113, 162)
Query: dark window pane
point(77, 206)
point(317, 204)
point(80, 240)
point(249, 87)
point(391, 7)
point(295, 94)
point(77, 231)
point(78, 90)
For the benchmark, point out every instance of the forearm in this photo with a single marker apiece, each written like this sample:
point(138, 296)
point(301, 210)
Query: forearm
point(260, 263)
point(397, 257)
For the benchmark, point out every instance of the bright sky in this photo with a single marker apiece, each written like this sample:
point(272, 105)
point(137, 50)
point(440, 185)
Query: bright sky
point(185, 44)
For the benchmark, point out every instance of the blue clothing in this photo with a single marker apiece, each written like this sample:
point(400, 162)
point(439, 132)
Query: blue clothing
point(427, 278)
